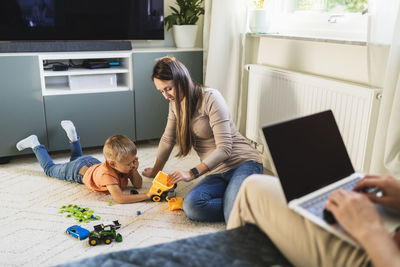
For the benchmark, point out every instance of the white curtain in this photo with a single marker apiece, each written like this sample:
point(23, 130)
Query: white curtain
point(224, 28)
point(384, 34)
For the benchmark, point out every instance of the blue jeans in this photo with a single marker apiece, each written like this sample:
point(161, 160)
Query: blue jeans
point(212, 198)
point(65, 171)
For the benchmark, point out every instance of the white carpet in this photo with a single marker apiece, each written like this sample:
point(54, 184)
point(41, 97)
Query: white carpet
point(33, 230)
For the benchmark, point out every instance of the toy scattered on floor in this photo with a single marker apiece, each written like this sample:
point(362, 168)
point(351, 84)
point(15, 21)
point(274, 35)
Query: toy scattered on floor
point(105, 232)
point(160, 189)
point(110, 203)
point(80, 214)
point(175, 203)
point(138, 212)
point(78, 232)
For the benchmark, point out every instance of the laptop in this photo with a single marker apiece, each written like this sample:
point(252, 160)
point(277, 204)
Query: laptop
point(311, 161)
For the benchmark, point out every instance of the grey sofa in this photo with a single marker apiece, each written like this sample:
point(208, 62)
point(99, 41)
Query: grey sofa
point(243, 246)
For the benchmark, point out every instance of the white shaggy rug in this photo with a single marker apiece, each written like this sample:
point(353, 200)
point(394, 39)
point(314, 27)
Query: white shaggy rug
point(33, 230)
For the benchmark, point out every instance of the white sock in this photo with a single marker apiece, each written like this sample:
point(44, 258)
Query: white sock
point(69, 128)
point(31, 141)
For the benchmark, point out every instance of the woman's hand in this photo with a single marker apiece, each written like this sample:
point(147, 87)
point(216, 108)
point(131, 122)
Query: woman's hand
point(148, 172)
point(389, 186)
point(177, 176)
point(152, 172)
point(355, 212)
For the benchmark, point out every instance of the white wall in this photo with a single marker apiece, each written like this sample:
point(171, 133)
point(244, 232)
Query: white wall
point(168, 39)
point(342, 61)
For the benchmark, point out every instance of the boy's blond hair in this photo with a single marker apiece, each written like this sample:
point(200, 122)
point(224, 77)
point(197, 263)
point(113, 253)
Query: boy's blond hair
point(117, 147)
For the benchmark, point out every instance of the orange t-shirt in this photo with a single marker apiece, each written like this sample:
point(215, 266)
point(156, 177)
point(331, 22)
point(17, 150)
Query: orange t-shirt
point(98, 176)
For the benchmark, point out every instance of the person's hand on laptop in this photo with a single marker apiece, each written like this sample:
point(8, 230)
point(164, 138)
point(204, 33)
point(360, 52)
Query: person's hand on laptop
point(389, 186)
point(359, 217)
point(355, 213)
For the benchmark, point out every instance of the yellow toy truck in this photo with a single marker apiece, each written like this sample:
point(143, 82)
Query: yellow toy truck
point(160, 189)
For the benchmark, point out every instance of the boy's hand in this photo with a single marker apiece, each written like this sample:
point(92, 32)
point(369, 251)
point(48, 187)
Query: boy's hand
point(136, 179)
point(122, 198)
point(136, 163)
point(396, 237)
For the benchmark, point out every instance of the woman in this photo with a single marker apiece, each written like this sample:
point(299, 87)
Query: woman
point(198, 117)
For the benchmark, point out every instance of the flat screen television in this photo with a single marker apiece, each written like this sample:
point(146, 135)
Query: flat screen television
point(81, 20)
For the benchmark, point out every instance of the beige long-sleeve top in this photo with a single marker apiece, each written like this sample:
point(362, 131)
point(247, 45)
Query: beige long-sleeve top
point(217, 141)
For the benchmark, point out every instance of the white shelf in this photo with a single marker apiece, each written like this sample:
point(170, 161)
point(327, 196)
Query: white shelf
point(48, 73)
point(79, 80)
point(63, 90)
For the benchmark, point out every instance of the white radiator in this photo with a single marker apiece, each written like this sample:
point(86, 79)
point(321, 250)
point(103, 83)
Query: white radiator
point(275, 95)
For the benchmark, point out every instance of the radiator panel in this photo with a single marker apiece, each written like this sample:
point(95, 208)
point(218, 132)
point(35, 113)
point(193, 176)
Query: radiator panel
point(276, 95)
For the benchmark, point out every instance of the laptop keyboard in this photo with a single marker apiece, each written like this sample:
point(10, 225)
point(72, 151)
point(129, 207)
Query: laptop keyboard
point(316, 205)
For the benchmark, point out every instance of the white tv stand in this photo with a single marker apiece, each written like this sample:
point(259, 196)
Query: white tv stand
point(58, 82)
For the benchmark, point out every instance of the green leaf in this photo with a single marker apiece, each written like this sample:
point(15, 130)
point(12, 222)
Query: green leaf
point(187, 13)
point(175, 10)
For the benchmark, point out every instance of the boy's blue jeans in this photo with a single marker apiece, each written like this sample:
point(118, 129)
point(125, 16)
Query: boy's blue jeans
point(65, 171)
point(212, 198)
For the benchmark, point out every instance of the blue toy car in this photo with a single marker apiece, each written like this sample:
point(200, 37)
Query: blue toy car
point(78, 232)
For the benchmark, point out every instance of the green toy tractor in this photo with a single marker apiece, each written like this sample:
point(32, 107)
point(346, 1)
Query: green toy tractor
point(105, 233)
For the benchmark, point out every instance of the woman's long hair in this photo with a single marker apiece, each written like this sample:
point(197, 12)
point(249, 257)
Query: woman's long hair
point(188, 98)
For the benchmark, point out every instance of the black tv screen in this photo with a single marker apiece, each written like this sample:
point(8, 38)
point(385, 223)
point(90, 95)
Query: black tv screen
point(81, 20)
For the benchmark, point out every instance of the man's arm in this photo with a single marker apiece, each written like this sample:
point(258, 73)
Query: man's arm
point(380, 247)
point(122, 198)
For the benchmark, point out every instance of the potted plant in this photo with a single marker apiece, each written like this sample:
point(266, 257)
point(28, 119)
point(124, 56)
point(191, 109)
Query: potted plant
point(258, 17)
point(183, 21)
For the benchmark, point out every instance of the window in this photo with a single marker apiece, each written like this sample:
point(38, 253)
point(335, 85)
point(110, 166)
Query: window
point(330, 5)
point(335, 19)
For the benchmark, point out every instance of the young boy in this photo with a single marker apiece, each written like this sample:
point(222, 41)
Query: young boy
point(110, 177)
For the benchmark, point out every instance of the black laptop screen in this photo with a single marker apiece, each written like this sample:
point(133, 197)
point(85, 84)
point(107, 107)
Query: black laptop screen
point(308, 153)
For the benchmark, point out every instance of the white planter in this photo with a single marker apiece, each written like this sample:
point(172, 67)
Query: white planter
point(185, 35)
point(259, 21)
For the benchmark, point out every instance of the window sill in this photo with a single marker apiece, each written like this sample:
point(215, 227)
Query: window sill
point(308, 38)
